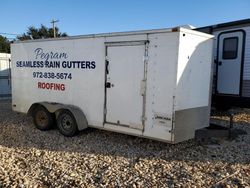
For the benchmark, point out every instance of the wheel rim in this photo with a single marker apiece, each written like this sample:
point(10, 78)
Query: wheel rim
point(42, 118)
point(67, 122)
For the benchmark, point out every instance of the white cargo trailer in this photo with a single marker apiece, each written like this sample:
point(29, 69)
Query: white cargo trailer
point(153, 84)
point(5, 82)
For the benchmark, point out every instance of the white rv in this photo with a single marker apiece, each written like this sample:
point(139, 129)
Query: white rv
point(232, 57)
point(153, 84)
point(5, 81)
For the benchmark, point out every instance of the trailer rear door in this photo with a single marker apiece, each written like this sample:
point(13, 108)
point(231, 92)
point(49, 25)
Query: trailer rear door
point(125, 72)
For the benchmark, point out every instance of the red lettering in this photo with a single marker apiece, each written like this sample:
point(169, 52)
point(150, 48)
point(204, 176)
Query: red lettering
point(39, 84)
point(47, 85)
point(43, 85)
point(62, 87)
point(51, 86)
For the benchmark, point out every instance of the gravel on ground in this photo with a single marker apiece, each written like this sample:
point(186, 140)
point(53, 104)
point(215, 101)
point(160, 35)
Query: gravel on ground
point(95, 158)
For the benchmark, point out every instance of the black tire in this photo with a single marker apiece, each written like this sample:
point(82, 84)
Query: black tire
point(66, 123)
point(42, 118)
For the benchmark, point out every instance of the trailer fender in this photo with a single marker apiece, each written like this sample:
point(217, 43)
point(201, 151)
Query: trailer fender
point(80, 117)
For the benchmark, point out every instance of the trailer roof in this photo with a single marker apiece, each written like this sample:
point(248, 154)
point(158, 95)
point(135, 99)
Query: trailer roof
point(245, 22)
point(126, 33)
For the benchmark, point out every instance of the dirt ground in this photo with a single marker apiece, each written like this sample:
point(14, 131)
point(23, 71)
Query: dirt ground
point(94, 158)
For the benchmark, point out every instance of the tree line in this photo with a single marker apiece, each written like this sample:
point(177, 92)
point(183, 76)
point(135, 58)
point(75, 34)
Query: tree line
point(32, 33)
